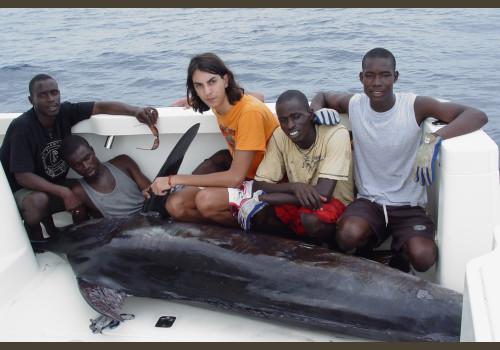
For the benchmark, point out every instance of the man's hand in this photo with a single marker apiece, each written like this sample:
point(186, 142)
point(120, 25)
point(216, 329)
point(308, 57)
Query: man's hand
point(71, 202)
point(146, 192)
point(147, 115)
point(423, 167)
point(80, 214)
point(308, 196)
point(160, 186)
point(182, 102)
point(326, 116)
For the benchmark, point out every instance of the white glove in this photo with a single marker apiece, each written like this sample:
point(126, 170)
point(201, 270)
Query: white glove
point(326, 116)
point(423, 166)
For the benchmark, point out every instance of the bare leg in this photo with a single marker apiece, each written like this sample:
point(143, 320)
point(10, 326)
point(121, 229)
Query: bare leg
point(266, 221)
point(36, 208)
point(421, 252)
point(352, 232)
point(34, 232)
point(213, 204)
point(322, 231)
point(182, 206)
point(50, 227)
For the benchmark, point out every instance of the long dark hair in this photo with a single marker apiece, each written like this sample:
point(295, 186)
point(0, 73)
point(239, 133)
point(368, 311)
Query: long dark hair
point(211, 63)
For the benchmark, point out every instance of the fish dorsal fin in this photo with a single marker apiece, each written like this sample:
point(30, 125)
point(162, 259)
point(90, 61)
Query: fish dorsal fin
point(170, 167)
point(106, 301)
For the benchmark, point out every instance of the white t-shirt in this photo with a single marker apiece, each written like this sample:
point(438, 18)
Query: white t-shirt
point(385, 145)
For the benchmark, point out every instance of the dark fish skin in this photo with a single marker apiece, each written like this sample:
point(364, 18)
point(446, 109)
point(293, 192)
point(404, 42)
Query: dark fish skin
point(263, 275)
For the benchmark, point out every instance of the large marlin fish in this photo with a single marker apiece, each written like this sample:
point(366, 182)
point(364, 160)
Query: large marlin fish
point(262, 275)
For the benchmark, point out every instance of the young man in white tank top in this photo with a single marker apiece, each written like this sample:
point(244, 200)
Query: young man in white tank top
point(391, 166)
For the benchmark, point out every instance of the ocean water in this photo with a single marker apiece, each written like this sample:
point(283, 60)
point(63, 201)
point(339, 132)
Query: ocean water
point(140, 56)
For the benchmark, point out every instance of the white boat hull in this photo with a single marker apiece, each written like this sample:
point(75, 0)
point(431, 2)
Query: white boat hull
point(39, 297)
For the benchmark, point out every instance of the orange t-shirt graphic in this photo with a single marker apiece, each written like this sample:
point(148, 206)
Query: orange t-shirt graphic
point(247, 127)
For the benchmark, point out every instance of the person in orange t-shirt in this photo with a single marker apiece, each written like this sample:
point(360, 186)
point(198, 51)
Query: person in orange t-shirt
point(244, 121)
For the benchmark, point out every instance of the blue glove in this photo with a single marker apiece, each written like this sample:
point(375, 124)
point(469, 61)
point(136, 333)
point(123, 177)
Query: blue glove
point(326, 116)
point(423, 167)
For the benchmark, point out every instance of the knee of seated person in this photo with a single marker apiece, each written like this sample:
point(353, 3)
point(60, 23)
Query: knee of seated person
point(175, 206)
point(36, 206)
point(348, 235)
point(259, 220)
point(312, 224)
point(206, 201)
point(263, 219)
point(345, 240)
point(37, 202)
point(423, 256)
point(212, 203)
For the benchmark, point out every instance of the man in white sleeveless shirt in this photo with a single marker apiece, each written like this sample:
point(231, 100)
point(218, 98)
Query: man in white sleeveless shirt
point(115, 188)
point(391, 166)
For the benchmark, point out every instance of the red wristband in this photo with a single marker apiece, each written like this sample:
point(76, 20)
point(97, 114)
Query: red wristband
point(169, 183)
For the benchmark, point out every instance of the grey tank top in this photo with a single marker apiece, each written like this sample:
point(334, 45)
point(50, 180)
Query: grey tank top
point(125, 199)
point(385, 145)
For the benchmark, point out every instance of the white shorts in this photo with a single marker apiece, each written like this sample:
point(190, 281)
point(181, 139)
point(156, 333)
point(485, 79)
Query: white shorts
point(236, 195)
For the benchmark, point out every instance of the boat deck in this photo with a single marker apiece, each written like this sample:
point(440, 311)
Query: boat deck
point(41, 301)
point(53, 302)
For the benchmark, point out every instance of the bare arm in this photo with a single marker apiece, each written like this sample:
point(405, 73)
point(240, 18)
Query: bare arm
point(462, 119)
point(38, 183)
point(295, 193)
point(130, 167)
point(84, 211)
point(339, 102)
point(233, 177)
point(257, 95)
point(147, 115)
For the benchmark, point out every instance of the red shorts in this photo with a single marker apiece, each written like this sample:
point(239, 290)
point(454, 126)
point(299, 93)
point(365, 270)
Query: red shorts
point(290, 214)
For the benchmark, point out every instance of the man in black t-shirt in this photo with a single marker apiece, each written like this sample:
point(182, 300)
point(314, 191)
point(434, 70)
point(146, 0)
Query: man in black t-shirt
point(30, 151)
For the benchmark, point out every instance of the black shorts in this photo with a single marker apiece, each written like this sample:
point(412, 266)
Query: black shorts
point(403, 222)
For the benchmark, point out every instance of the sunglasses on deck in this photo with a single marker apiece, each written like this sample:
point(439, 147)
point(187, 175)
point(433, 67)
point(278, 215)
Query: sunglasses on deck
point(156, 142)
